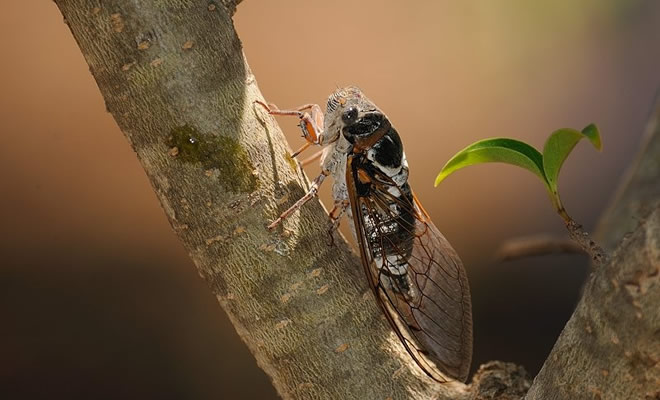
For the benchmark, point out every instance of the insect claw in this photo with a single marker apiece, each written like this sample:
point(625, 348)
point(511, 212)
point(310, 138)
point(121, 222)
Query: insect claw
point(261, 103)
point(274, 224)
point(331, 242)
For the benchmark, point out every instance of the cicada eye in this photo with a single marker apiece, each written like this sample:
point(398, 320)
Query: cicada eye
point(350, 115)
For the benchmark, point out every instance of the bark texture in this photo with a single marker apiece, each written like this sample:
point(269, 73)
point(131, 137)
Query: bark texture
point(174, 77)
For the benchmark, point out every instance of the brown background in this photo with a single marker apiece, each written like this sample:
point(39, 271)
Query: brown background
point(97, 297)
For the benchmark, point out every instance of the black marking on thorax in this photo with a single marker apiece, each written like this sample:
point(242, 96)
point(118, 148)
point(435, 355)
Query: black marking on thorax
point(366, 125)
point(388, 151)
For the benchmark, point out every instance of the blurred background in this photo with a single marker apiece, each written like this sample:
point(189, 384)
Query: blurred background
point(98, 298)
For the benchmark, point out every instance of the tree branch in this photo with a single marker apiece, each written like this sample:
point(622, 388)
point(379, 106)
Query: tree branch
point(174, 77)
point(536, 245)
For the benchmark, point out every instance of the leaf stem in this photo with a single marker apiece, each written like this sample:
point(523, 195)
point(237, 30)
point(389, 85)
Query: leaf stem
point(557, 204)
point(562, 213)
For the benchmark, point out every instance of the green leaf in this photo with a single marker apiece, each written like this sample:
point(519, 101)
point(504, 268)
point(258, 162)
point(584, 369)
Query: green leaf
point(559, 145)
point(509, 151)
point(593, 134)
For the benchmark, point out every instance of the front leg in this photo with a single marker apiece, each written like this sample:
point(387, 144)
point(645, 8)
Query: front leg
point(310, 124)
point(311, 193)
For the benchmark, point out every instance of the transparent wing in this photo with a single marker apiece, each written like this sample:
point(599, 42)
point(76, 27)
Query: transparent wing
point(416, 275)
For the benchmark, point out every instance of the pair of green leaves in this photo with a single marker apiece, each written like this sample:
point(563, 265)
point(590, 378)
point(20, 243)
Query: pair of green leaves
point(546, 166)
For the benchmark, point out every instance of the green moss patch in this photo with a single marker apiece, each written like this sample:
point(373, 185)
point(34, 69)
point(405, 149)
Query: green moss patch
point(215, 152)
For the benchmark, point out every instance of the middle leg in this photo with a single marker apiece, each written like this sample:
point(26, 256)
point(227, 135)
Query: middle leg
point(311, 193)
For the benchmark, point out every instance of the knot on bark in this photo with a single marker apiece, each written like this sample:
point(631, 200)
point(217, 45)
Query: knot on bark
point(499, 380)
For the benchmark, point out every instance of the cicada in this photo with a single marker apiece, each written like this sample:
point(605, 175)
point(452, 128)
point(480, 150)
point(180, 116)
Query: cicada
point(416, 276)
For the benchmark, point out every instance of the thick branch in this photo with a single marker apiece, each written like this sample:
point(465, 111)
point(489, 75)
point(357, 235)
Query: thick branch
point(610, 348)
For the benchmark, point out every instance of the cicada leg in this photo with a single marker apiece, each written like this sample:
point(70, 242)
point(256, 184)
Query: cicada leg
point(311, 159)
point(335, 217)
point(301, 149)
point(311, 123)
point(311, 193)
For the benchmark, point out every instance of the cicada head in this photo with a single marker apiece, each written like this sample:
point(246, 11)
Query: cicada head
point(351, 114)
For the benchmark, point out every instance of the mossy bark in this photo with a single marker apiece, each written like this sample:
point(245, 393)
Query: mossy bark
point(174, 77)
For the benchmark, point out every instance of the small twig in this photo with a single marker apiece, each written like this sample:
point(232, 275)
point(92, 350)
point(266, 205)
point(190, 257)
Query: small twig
point(582, 238)
point(537, 245)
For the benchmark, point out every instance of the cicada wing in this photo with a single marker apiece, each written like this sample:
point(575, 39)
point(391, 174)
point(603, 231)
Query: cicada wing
point(443, 310)
point(416, 276)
